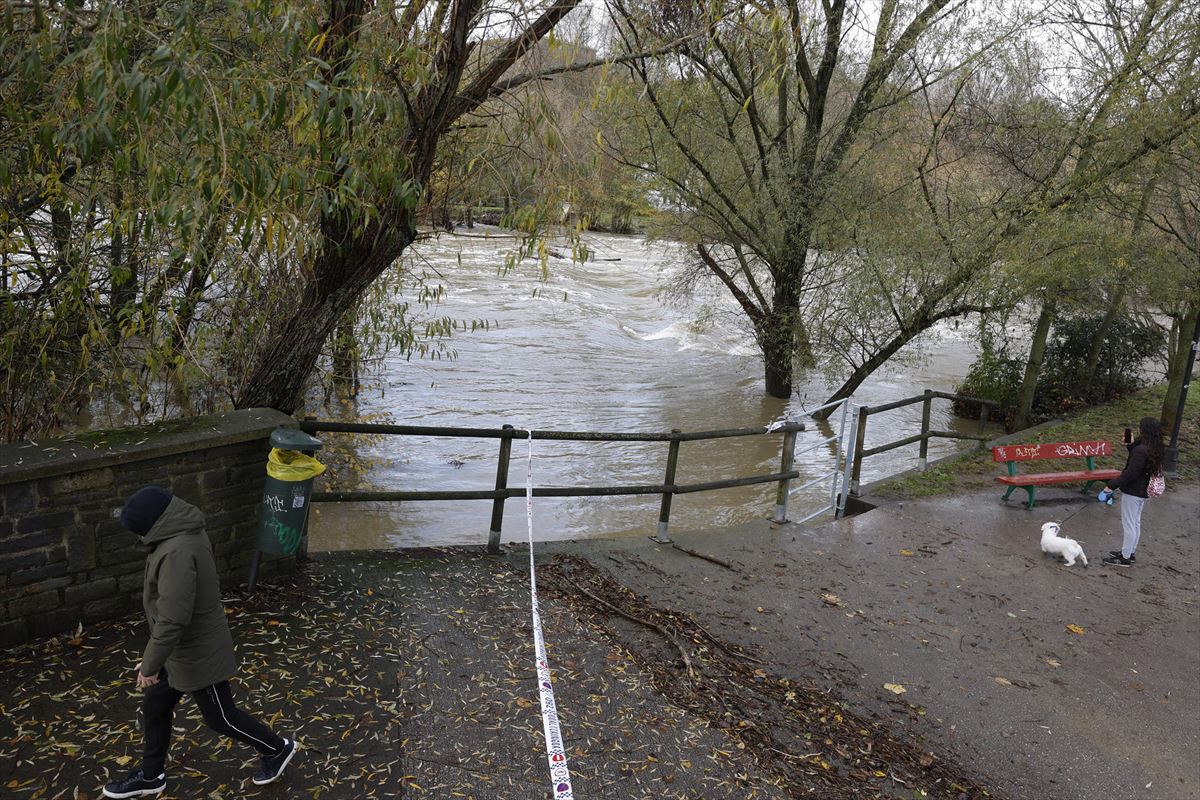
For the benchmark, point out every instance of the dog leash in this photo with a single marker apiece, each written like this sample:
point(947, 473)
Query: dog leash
point(1076, 511)
point(556, 756)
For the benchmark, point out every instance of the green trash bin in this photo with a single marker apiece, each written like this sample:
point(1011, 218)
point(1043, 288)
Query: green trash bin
point(290, 475)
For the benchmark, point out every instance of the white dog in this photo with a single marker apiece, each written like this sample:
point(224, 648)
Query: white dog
point(1057, 545)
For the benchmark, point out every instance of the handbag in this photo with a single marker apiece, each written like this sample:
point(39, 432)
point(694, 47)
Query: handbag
point(1157, 486)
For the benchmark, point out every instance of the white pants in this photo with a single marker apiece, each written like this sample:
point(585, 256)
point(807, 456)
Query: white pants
point(1131, 521)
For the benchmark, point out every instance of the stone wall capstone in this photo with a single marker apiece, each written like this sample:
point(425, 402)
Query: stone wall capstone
point(64, 557)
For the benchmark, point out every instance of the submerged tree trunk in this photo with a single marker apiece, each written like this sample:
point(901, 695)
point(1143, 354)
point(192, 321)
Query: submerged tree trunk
point(1033, 367)
point(777, 358)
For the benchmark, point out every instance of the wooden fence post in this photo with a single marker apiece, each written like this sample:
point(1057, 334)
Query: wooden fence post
point(664, 511)
point(785, 466)
point(926, 407)
point(860, 438)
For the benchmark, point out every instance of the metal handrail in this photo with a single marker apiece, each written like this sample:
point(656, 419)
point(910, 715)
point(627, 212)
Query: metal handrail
point(668, 488)
point(927, 397)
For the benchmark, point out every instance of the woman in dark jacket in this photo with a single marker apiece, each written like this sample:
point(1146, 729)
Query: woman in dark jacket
point(1145, 460)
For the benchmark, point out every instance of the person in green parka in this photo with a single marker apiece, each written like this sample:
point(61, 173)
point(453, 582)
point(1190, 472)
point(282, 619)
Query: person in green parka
point(190, 649)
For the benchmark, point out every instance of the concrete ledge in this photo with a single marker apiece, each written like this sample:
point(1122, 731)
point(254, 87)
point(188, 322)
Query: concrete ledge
point(94, 450)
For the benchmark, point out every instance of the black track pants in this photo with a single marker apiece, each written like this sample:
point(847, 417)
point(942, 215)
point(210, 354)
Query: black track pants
point(220, 714)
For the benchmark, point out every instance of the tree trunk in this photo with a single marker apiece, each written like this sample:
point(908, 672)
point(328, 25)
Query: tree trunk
point(1083, 386)
point(777, 339)
point(864, 370)
point(343, 272)
point(1033, 367)
point(777, 366)
point(1188, 324)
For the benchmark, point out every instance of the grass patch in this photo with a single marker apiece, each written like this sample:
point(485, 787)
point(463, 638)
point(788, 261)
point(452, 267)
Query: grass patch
point(1099, 423)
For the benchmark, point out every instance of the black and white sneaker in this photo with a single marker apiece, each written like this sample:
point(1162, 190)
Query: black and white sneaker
point(273, 766)
point(136, 785)
point(1118, 560)
point(1117, 553)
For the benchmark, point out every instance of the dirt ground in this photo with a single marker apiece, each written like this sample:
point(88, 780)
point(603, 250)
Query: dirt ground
point(411, 675)
point(1050, 682)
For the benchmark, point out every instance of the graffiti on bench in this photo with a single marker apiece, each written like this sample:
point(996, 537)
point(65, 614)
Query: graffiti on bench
point(1031, 452)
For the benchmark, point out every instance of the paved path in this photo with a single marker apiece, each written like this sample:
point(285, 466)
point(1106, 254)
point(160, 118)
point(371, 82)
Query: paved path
point(953, 600)
point(410, 675)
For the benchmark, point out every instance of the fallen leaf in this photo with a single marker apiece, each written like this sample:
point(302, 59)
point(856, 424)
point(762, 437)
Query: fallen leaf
point(1073, 628)
point(926, 760)
point(906, 552)
point(123, 760)
point(895, 688)
point(1002, 681)
point(831, 599)
point(1054, 662)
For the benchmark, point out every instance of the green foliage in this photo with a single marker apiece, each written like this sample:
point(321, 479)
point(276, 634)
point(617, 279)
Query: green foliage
point(1130, 343)
point(994, 377)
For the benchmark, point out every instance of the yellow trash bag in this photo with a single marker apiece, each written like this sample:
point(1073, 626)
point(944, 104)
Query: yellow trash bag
point(290, 465)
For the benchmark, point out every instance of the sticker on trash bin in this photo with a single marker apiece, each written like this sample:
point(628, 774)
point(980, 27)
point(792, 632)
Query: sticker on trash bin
point(298, 501)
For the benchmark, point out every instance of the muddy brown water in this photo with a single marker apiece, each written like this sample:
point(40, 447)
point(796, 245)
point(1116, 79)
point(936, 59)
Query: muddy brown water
point(599, 346)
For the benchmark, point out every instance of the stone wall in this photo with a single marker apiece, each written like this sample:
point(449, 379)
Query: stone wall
point(64, 558)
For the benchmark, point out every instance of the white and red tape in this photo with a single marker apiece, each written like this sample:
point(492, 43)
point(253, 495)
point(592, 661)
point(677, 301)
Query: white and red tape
point(556, 755)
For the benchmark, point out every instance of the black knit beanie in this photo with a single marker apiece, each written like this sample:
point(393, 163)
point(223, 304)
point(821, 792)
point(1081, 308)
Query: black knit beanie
point(144, 508)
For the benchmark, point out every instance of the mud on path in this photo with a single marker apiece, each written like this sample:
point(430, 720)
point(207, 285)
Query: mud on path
point(943, 616)
point(813, 742)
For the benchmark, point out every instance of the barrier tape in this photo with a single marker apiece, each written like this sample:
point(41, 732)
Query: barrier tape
point(556, 756)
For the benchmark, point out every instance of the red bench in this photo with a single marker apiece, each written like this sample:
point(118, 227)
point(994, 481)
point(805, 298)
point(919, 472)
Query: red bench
point(1012, 453)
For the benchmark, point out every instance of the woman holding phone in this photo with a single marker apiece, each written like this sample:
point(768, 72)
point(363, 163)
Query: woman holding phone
point(1144, 461)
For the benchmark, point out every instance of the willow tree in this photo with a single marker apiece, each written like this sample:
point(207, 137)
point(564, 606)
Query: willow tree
point(267, 156)
point(752, 130)
point(855, 174)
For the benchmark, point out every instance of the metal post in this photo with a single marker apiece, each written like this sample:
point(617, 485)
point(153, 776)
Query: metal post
point(1171, 455)
point(501, 483)
point(839, 455)
point(860, 438)
point(785, 465)
point(254, 559)
point(664, 512)
point(926, 407)
point(840, 510)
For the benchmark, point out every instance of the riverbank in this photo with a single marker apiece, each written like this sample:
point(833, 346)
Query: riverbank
point(973, 470)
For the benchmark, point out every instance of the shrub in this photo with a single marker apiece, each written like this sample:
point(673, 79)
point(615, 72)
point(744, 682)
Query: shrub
point(993, 376)
point(1128, 345)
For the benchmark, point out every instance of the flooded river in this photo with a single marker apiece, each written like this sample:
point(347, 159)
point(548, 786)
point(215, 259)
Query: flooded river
point(597, 347)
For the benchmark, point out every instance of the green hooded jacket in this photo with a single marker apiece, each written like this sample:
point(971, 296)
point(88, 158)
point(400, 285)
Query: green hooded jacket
point(181, 594)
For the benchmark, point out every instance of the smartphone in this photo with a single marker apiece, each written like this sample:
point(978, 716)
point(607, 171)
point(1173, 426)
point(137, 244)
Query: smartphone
point(1129, 436)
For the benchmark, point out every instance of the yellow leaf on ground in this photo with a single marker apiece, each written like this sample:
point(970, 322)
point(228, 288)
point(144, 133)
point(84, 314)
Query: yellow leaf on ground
point(906, 552)
point(1073, 628)
point(895, 688)
point(123, 760)
point(1002, 681)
